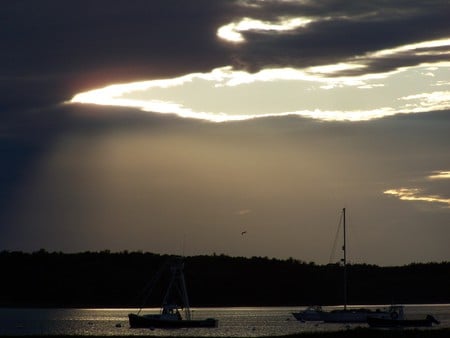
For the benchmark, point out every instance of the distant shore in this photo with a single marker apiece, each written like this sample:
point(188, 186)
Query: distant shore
point(351, 333)
point(59, 280)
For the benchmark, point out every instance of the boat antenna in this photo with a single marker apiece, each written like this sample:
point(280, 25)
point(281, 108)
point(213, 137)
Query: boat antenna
point(345, 261)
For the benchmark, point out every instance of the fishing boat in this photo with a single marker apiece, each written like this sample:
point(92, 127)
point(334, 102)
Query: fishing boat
point(175, 310)
point(347, 314)
point(428, 321)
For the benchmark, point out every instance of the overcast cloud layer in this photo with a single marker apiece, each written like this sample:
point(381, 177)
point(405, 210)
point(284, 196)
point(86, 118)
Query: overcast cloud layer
point(80, 177)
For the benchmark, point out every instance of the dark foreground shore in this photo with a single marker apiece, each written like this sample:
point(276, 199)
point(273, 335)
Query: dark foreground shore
point(354, 333)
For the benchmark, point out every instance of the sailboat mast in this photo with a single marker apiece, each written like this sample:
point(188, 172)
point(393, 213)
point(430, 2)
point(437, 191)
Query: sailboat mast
point(345, 261)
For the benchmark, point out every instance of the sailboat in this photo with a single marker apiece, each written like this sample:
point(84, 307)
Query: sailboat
point(175, 303)
point(346, 315)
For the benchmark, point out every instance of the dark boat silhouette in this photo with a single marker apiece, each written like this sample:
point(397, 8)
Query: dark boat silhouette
point(174, 304)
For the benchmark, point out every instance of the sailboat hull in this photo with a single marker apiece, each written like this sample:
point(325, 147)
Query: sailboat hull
point(386, 323)
point(156, 321)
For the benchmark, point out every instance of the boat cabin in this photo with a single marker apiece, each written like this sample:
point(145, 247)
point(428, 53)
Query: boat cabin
point(171, 312)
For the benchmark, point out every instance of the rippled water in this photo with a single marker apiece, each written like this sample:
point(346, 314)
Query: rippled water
point(233, 322)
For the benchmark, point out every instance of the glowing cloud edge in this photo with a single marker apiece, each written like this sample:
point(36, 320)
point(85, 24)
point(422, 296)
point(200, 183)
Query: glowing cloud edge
point(414, 195)
point(225, 76)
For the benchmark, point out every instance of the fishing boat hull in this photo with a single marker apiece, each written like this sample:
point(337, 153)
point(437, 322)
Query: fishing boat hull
point(396, 323)
point(156, 321)
point(175, 302)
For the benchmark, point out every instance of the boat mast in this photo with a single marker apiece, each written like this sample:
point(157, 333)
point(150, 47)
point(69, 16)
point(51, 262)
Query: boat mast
point(177, 283)
point(345, 262)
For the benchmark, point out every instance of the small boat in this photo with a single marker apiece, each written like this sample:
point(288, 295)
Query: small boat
point(428, 321)
point(170, 315)
point(346, 315)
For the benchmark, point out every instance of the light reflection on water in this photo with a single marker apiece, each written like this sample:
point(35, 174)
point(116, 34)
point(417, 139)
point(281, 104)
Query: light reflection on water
point(234, 322)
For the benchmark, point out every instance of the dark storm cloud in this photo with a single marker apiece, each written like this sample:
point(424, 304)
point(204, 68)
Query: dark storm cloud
point(342, 31)
point(52, 49)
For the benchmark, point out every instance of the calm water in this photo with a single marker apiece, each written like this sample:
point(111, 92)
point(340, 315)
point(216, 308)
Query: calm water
point(242, 322)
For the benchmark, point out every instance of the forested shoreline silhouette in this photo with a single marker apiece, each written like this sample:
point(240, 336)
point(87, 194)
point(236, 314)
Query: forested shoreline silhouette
point(106, 279)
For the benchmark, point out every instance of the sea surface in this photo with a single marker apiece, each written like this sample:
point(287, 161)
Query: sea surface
point(233, 322)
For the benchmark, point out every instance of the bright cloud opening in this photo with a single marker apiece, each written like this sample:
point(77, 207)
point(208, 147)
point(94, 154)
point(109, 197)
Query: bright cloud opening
point(232, 31)
point(225, 94)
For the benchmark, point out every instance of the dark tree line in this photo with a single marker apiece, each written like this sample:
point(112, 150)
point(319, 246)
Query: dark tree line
point(105, 279)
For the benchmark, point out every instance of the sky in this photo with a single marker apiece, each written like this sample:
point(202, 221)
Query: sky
point(230, 127)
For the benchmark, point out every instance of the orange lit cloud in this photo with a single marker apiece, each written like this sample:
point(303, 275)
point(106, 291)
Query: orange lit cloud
point(417, 194)
point(413, 194)
point(440, 175)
